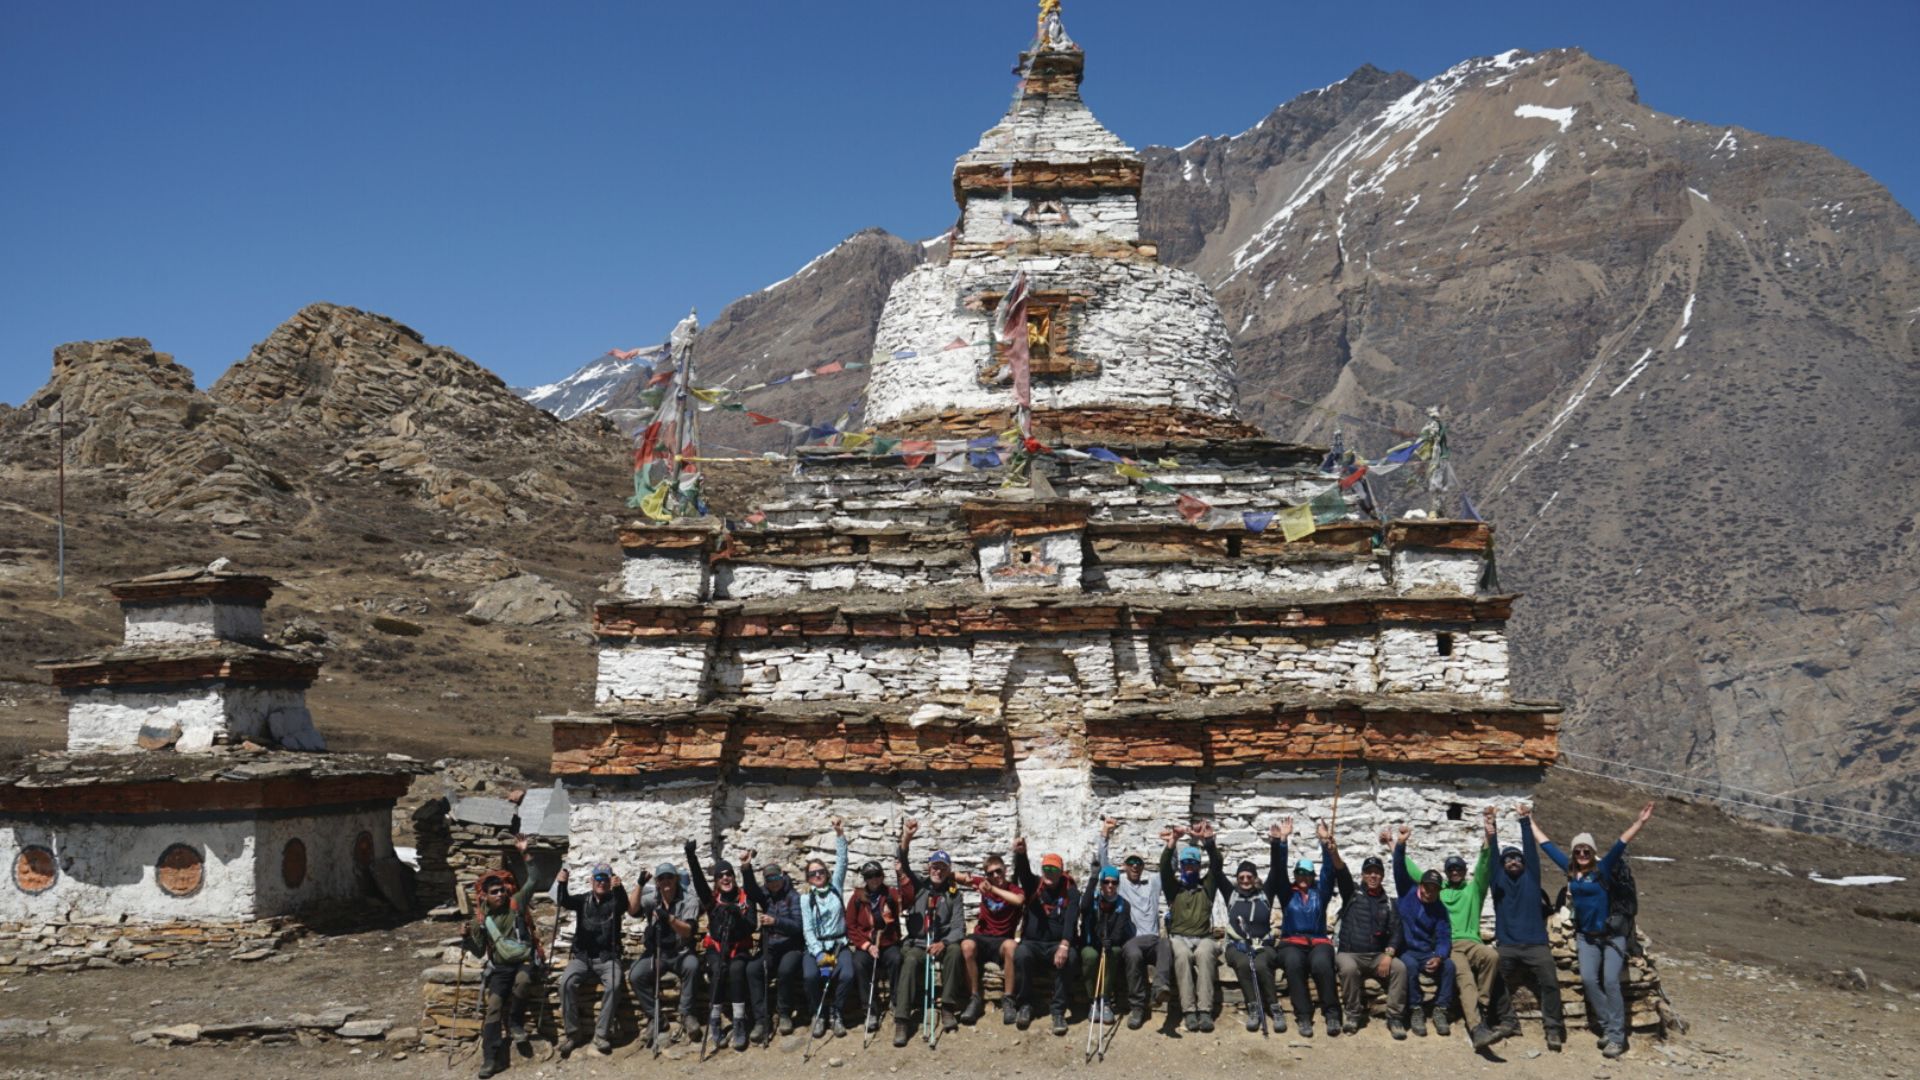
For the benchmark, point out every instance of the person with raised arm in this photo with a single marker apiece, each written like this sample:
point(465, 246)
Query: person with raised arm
point(1306, 948)
point(1106, 925)
point(775, 972)
point(823, 917)
point(1369, 933)
point(935, 925)
point(502, 936)
point(1520, 935)
point(730, 925)
point(1600, 947)
point(1250, 953)
point(992, 940)
point(874, 932)
point(1047, 934)
point(672, 912)
point(1147, 950)
point(596, 955)
point(1475, 963)
point(1190, 892)
point(1426, 941)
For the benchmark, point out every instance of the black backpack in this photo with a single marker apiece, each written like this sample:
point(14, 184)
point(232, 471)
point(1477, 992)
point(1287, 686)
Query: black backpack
point(1623, 905)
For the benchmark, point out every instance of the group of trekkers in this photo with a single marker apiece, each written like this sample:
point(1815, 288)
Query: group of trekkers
point(776, 954)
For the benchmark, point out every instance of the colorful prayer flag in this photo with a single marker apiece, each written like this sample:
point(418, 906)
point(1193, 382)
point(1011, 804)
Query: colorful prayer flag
point(833, 368)
point(1191, 508)
point(1256, 520)
point(904, 354)
point(1101, 453)
point(1296, 522)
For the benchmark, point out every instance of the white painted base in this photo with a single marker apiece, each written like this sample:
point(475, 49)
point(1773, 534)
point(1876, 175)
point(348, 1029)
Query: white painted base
point(113, 720)
point(107, 870)
point(192, 620)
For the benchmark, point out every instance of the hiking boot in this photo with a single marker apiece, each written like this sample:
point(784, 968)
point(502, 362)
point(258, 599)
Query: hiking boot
point(819, 1029)
point(1507, 1030)
point(1334, 1026)
point(521, 1040)
point(1161, 995)
point(839, 1029)
point(1059, 1022)
point(1279, 1021)
point(1612, 1050)
point(1206, 1021)
point(1556, 1040)
point(1137, 1019)
point(976, 1008)
point(691, 1030)
point(565, 1047)
point(489, 1067)
point(948, 1021)
point(1349, 1025)
point(873, 1022)
point(1417, 1021)
point(759, 1032)
point(1009, 1009)
point(1024, 1018)
point(1396, 1028)
point(1442, 1026)
point(785, 1025)
point(1306, 1026)
point(1193, 1021)
point(602, 1045)
point(1482, 1036)
point(902, 1033)
point(1255, 1017)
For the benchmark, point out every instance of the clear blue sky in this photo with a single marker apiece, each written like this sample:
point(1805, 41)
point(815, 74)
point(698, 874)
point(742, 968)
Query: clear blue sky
point(533, 183)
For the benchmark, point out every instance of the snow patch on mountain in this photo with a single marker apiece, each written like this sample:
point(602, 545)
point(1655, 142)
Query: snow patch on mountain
point(589, 387)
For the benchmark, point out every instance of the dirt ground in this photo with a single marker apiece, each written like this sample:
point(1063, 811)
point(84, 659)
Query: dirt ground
point(1757, 959)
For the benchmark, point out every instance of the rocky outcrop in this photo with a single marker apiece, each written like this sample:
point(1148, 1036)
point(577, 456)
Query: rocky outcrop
point(523, 600)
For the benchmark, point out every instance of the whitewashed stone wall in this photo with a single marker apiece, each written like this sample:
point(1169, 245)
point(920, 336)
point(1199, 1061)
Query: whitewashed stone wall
point(107, 870)
point(192, 620)
point(745, 581)
point(1410, 661)
point(1447, 572)
point(1058, 129)
point(1243, 665)
point(667, 578)
point(113, 720)
point(1112, 217)
point(1051, 560)
point(1290, 578)
point(645, 673)
point(1156, 334)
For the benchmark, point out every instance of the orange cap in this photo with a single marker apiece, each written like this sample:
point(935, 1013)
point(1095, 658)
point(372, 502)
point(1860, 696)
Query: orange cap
point(1052, 860)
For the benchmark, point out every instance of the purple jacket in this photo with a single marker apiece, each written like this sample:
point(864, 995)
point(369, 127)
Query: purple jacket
point(1425, 928)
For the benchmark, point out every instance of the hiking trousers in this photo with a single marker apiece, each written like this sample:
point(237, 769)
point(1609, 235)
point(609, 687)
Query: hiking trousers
point(508, 988)
point(1090, 958)
point(1532, 964)
point(1442, 993)
point(864, 973)
point(1030, 955)
point(1603, 961)
point(1254, 969)
point(1475, 967)
point(1316, 962)
point(787, 990)
point(1354, 969)
point(579, 971)
point(1196, 971)
point(910, 990)
point(1141, 953)
point(684, 966)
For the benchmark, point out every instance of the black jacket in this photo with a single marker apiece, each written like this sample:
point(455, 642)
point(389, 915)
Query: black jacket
point(596, 927)
point(1368, 923)
point(786, 931)
point(1050, 914)
point(1102, 926)
point(944, 912)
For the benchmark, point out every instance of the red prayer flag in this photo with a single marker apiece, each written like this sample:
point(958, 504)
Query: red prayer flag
point(1352, 478)
point(913, 461)
point(762, 419)
point(829, 369)
point(1191, 508)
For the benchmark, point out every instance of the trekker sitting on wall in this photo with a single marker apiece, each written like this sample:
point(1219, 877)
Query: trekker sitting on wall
point(1190, 892)
point(510, 972)
point(1520, 933)
point(1106, 926)
point(873, 932)
point(1475, 963)
point(1047, 935)
point(1250, 949)
point(1600, 944)
point(1426, 942)
point(1369, 933)
point(775, 972)
point(672, 912)
point(1305, 945)
point(730, 922)
point(823, 915)
point(596, 955)
point(991, 942)
point(1147, 950)
point(936, 923)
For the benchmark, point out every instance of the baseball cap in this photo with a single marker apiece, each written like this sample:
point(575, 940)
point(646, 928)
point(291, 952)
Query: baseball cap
point(872, 869)
point(603, 870)
point(1189, 854)
point(1052, 862)
point(1455, 862)
point(1109, 873)
point(1511, 853)
point(665, 869)
point(1372, 864)
point(940, 857)
point(1431, 877)
point(1135, 860)
point(774, 874)
point(1304, 866)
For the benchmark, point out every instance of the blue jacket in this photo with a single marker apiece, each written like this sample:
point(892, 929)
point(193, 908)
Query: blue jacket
point(1517, 918)
point(1590, 893)
point(1304, 914)
point(1425, 928)
point(823, 912)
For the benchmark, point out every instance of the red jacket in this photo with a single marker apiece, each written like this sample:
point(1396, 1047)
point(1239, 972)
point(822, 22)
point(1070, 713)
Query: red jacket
point(861, 930)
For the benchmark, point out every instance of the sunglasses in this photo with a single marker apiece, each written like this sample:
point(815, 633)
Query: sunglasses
point(1135, 864)
point(603, 877)
point(1050, 871)
point(816, 873)
point(1583, 850)
point(496, 892)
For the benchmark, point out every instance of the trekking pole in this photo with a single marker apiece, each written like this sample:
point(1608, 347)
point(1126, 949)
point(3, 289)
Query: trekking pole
point(659, 955)
point(546, 1006)
point(1259, 995)
point(873, 986)
point(820, 1010)
point(1094, 1034)
point(459, 982)
point(929, 997)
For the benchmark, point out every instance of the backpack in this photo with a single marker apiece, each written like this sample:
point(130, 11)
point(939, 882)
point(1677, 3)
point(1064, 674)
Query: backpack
point(1623, 905)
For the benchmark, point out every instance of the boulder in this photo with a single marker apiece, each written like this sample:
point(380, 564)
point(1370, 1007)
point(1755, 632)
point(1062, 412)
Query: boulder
point(523, 600)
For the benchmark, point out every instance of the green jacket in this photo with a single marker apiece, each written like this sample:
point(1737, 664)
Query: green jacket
point(1464, 902)
point(1190, 907)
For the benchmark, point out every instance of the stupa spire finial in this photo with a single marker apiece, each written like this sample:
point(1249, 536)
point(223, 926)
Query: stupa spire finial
point(1051, 32)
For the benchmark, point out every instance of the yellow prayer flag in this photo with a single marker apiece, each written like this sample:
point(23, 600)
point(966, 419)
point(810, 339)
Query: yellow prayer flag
point(1131, 472)
point(1296, 522)
point(1167, 463)
point(707, 395)
point(854, 440)
point(655, 504)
